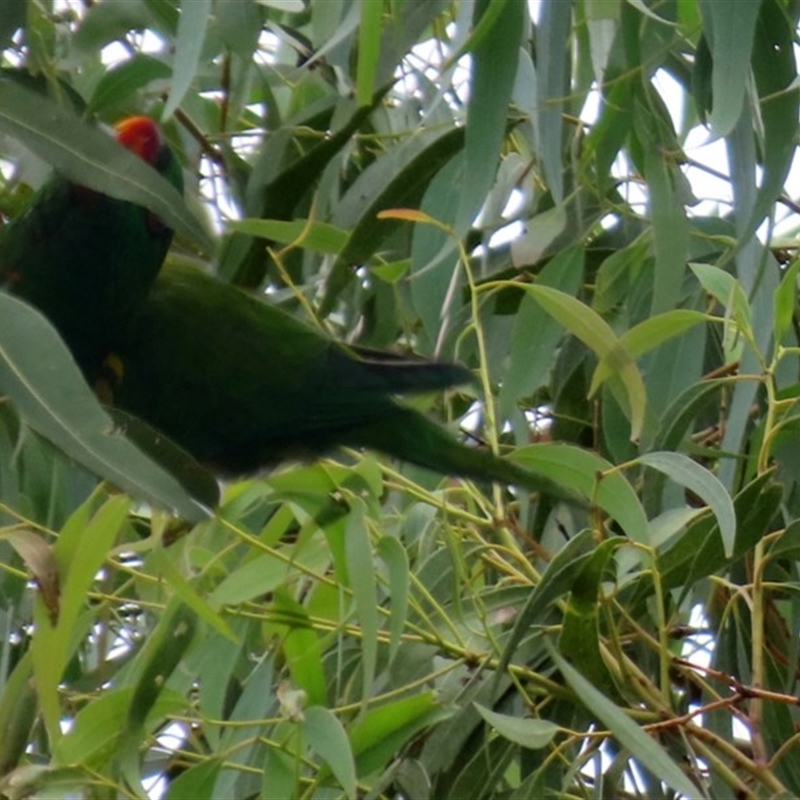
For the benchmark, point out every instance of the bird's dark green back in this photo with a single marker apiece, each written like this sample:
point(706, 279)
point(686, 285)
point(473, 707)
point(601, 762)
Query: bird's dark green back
point(241, 384)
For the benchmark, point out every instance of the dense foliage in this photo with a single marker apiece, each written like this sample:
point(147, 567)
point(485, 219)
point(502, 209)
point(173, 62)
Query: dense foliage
point(514, 186)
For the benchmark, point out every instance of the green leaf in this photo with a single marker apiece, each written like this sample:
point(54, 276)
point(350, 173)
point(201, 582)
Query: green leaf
point(681, 413)
point(654, 331)
point(384, 730)
point(540, 235)
point(410, 23)
point(80, 551)
point(495, 57)
point(580, 635)
point(395, 557)
point(257, 577)
point(731, 28)
point(396, 180)
point(18, 711)
point(775, 73)
point(94, 735)
point(597, 335)
point(557, 580)
point(93, 159)
point(368, 51)
point(531, 733)
point(107, 22)
point(618, 273)
point(726, 290)
point(667, 192)
point(240, 742)
point(40, 378)
point(327, 737)
point(642, 746)
point(317, 236)
point(274, 188)
point(535, 337)
point(651, 333)
point(552, 32)
point(787, 545)
point(184, 590)
point(593, 477)
point(361, 578)
point(301, 647)
point(435, 277)
point(786, 301)
point(698, 553)
point(690, 474)
point(393, 272)
point(198, 482)
point(188, 46)
point(160, 656)
point(196, 783)
point(279, 779)
point(122, 80)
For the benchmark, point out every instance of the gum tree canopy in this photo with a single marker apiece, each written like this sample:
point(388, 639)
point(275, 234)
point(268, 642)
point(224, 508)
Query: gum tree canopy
point(589, 208)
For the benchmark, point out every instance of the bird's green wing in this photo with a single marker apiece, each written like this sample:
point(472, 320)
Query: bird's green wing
point(240, 384)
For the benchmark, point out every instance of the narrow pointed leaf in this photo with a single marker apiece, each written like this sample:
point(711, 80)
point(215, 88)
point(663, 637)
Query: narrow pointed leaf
point(361, 573)
point(596, 334)
point(690, 474)
point(531, 733)
point(732, 26)
point(188, 46)
point(642, 746)
point(92, 158)
point(40, 378)
point(327, 737)
point(590, 476)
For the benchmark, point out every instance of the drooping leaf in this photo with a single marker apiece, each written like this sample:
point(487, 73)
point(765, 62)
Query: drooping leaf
point(39, 376)
point(92, 158)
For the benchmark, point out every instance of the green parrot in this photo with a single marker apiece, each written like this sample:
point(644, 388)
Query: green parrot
point(240, 385)
point(87, 260)
point(236, 382)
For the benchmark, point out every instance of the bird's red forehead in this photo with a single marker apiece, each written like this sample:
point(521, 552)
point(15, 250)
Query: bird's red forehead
point(141, 135)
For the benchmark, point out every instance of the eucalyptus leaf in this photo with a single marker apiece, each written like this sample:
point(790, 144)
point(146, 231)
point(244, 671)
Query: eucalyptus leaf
point(92, 158)
point(40, 378)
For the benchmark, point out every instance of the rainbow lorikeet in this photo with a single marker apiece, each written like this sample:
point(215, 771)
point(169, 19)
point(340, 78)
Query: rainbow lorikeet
point(240, 385)
point(86, 260)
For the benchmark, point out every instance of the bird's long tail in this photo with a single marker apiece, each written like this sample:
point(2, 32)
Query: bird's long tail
point(396, 374)
point(409, 436)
